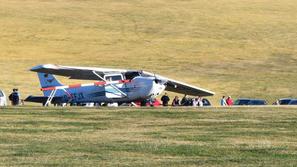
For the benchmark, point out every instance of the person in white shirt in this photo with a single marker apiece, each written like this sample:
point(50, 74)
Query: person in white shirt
point(200, 102)
point(195, 102)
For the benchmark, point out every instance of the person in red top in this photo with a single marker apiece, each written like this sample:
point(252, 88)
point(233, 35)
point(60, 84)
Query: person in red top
point(229, 101)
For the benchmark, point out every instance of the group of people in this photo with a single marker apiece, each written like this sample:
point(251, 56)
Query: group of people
point(226, 101)
point(196, 102)
point(186, 101)
point(14, 97)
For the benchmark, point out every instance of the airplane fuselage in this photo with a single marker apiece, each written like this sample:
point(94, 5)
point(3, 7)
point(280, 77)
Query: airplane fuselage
point(139, 88)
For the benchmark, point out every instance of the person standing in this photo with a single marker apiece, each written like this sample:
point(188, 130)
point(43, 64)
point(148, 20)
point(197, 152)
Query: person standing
point(165, 99)
point(223, 101)
point(200, 102)
point(229, 101)
point(175, 101)
point(195, 102)
point(185, 101)
point(14, 97)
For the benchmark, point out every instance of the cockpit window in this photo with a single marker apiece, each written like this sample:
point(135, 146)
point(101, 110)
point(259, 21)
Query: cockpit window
point(131, 75)
point(113, 78)
point(1, 94)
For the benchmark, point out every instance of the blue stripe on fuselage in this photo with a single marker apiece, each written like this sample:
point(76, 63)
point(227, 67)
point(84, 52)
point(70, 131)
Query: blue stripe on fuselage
point(90, 93)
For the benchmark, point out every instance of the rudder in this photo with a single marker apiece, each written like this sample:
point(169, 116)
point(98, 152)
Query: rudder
point(48, 80)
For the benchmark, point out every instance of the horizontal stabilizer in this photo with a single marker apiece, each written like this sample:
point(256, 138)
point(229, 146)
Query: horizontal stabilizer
point(43, 99)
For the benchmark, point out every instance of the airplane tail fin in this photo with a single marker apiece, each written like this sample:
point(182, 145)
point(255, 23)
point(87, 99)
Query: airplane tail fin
point(48, 80)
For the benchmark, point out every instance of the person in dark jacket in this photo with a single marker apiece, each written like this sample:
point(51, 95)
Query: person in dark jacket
point(165, 99)
point(185, 101)
point(14, 97)
point(175, 101)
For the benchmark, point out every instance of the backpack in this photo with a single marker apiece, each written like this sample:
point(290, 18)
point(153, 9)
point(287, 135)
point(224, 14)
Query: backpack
point(10, 97)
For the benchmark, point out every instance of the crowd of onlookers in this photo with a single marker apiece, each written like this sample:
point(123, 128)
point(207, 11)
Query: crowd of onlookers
point(185, 101)
point(195, 102)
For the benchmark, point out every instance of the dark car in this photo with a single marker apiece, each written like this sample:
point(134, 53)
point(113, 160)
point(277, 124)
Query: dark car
point(283, 101)
point(242, 101)
point(257, 102)
point(293, 102)
point(252, 102)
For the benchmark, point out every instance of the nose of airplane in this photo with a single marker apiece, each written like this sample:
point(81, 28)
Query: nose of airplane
point(149, 88)
point(157, 89)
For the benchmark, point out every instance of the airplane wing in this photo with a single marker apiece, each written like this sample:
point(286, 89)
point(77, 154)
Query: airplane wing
point(181, 87)
point(83, 73)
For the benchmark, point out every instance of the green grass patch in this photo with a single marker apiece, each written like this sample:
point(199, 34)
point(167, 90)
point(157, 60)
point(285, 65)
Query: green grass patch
point(32, 136)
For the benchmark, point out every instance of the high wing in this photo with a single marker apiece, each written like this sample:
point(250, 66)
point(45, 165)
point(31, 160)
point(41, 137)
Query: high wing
point(181, 87)
point(82, 73)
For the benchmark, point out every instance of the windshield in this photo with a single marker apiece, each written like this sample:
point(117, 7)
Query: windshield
point(284, 102)
point(293, 102)
point(131, 75)
point(1, 94)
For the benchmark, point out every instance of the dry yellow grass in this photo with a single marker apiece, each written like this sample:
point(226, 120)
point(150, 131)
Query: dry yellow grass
point(235, 47)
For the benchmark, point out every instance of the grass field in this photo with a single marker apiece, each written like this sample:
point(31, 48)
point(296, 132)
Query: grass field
point(148, 137)
point(243, 48)
point(237, 47)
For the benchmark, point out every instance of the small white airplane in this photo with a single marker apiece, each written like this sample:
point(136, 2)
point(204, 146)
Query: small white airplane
point(111, 86)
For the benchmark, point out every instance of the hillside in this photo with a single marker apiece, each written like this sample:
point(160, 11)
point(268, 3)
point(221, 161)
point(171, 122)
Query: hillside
point(236, 47)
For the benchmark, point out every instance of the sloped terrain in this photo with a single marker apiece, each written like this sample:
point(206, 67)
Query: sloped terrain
point(236, 47)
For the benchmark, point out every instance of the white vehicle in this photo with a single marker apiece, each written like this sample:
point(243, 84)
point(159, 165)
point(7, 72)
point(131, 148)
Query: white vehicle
point(3, 101)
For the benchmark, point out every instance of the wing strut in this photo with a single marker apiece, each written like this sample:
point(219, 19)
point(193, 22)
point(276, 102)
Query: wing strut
point(52, 95)
point(116, 88)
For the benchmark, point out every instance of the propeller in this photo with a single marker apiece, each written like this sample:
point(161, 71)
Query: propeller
point(156, 79)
